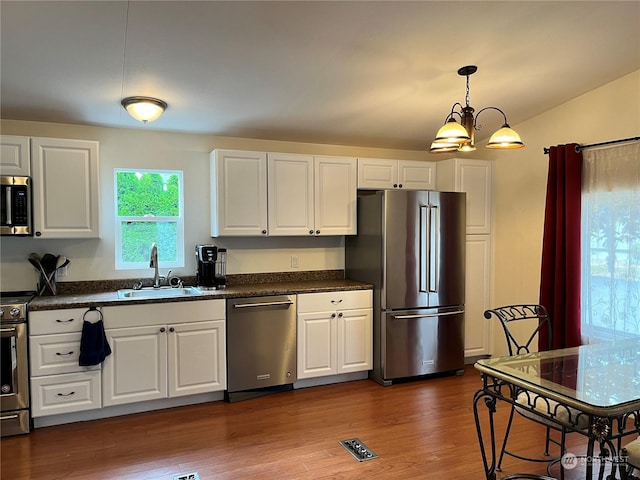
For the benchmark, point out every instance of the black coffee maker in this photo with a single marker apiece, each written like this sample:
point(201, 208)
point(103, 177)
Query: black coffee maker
point(212, 266)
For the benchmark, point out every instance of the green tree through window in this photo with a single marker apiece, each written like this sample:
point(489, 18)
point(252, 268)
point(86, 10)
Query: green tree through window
point(148, 209)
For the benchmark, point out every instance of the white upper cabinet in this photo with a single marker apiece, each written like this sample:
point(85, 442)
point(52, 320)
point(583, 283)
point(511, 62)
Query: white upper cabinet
point(474, 177)
point(277, 194)
point(238, 193)
point(383, 174)
point(335, 196)
point(290, 193)
point(65, 188)
point(14, 155)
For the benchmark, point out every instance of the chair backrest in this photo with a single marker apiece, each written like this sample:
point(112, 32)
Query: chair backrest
point(516, 313)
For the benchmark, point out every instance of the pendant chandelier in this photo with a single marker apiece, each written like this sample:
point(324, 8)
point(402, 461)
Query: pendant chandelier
point(454, 136)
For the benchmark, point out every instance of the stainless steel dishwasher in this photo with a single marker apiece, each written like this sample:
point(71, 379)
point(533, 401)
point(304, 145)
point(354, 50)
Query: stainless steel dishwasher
point(261, 346)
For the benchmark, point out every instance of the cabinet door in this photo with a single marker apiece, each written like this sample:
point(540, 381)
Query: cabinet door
point(355, 352)
point(377, 174)
point(197, 358)
point(316, 344)
point(14, 155)
point(290, 194)
point(416, 175)
point(136, 370)
point(238, 193)
point(474, 177)
point(335, 192)
point(478, 295)
point(66, 188)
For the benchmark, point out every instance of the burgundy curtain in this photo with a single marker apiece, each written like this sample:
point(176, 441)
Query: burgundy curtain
point(560, 274)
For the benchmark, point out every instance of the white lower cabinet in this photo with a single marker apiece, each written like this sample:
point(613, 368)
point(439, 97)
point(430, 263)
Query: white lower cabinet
point(58, 383)
point(161, 352)
point(334, 333)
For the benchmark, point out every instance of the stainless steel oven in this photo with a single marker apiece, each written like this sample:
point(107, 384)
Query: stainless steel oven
point(15, 414)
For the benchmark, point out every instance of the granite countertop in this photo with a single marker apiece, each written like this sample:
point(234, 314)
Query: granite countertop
point(77, 299)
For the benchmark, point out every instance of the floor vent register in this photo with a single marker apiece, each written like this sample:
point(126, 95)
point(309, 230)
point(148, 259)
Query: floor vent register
point(358, 449)
point(187, 476)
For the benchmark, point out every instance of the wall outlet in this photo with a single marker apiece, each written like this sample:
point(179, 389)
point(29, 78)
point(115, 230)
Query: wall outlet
point(294, 261)
point(61, 272)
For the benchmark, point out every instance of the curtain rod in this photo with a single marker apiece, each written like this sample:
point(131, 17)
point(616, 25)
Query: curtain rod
point(582, 147)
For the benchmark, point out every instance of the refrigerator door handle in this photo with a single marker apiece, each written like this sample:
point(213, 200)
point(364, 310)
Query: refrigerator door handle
point(424, 248)
point(427, 315)
point(434, 254)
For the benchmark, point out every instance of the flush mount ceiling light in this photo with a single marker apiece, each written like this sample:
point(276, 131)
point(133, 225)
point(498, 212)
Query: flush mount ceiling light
point(454, 136)
point(144, 109)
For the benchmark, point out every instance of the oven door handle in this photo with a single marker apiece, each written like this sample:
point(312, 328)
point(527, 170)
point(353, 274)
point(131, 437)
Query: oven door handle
point(8, 330)
point(9, 417)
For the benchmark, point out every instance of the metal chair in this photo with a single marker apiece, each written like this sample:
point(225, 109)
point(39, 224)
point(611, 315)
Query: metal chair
point(631, 457)
point(528, 405)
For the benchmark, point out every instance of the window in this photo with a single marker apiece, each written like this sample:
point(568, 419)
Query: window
point(611, 243)
point(149, 208)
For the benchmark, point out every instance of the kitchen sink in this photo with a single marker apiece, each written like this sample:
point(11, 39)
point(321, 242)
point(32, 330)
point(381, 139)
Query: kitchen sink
point(161, 292)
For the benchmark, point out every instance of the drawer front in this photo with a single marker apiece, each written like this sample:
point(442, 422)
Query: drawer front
point(71, 392)
point(327, 301)
point(145, 315)
point(59, 321)
point(53, 354)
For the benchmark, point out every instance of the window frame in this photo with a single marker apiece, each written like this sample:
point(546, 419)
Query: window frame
point(179, 262)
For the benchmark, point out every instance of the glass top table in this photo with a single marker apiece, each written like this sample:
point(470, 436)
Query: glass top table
point(600, 382)
point(601, 379)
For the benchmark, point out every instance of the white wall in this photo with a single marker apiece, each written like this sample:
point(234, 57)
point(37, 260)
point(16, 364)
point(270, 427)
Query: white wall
point(608, 113)
point(142, 148)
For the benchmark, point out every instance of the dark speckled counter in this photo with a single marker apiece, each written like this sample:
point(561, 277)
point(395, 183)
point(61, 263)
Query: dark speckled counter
point(77, 299)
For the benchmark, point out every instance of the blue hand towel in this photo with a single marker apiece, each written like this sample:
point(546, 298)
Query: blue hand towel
point(94, 347)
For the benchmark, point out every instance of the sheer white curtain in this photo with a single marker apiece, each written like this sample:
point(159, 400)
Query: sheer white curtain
point(611, 242)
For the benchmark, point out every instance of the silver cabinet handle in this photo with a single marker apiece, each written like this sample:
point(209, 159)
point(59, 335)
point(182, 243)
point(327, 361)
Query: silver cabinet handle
point(263, 304)
point(9, 417)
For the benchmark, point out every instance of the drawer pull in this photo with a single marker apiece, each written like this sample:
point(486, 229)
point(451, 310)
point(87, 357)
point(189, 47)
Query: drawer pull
point(66, 394)
point(336, 302)
point(64, 321)
point(9, 417)
point(64, 354)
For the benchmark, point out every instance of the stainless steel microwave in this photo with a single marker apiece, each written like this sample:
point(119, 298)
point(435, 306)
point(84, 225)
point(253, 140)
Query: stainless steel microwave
point(16, 215)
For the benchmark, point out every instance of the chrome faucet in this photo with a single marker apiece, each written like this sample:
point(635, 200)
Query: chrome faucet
point(153, 263)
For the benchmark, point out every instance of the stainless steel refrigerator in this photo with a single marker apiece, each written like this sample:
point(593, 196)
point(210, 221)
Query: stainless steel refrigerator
point(411, 246)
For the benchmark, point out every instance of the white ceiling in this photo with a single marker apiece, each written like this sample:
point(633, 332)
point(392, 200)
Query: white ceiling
point(373, 73)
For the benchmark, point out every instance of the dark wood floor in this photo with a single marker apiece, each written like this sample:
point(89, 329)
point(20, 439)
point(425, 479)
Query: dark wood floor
point(421, 429)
